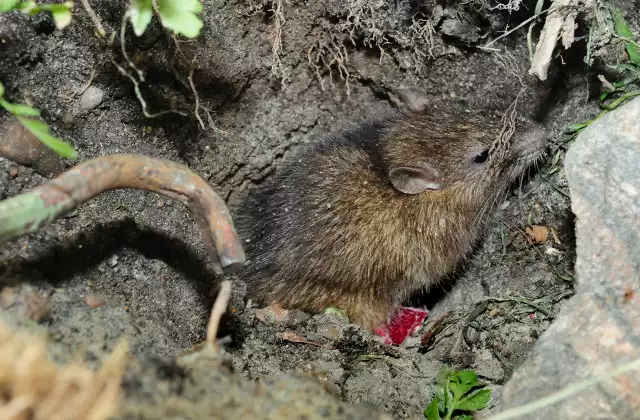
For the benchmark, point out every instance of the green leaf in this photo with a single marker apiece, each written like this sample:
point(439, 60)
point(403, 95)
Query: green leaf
point(1, 90)
point(622, 29)
point(7, 5)
point(62, 18)
point(29, 7)
point(179, 16)
point(461, 382)
point(572, 128)
point(17, 109)
point(475, 401)
point(464, 417)
point(605, 95)
point(61, 13)
point(432, 413)
point(556, 158)
point(624, 83)
point(444, 375)
point(140, 13)
point(619, 101)
point(41, 131)
point(441, 400)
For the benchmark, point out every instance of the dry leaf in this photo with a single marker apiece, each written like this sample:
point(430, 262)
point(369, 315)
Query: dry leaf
point(537, 234)
point(93, 301)
point(295, 338)
point(272, 314)
point(629, 293)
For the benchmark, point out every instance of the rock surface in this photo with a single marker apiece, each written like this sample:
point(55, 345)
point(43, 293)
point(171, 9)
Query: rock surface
point(599, 329)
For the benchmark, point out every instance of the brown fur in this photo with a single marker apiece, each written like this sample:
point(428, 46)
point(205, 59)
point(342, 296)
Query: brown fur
point(332, 231)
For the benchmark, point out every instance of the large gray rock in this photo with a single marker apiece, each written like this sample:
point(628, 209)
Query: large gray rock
point(599, 329)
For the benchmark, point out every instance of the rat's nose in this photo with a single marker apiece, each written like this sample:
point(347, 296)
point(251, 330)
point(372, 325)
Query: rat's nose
point(531, 141)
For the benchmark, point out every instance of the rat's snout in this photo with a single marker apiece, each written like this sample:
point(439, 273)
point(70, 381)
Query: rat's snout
point(531, 142)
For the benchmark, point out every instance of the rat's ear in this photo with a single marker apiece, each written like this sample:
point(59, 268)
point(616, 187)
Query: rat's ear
point(414, 179)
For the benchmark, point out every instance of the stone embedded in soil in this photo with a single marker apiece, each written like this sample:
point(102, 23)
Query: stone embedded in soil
point(91, 98)
point(67, 120)
point(598, 329)
point(113, 261)
point(18, 144)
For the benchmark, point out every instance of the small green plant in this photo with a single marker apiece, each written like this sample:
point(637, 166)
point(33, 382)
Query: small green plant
point(61, 12)
point(28, 117)
point(630, 72)
point(176, 15)
point(623, 31)
point(336, 311)
point(458, 394)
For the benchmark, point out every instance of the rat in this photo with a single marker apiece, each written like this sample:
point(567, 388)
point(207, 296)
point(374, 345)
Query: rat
point(364, 218)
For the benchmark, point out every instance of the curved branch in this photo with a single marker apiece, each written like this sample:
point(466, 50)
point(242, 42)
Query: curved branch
point(32, 210)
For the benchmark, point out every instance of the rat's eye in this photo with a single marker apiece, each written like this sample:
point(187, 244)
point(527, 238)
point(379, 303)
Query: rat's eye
point(481, 157)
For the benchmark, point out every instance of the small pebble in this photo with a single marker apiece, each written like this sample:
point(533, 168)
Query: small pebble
point(330, 332)
point(91, 98)
point(160, 204)
point(13, 172)
point(113, 261)
point(93, 301)
point(67, 119)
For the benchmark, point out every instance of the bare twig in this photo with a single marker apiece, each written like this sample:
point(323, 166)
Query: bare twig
point(94, 18)
point(123, 34)
point(89, 81)
point(130, 63)
point(606, 83)
point(30, 211)
point(219, 308)
point(486, 46)
point(555, 187)
point(478, 310)
point(212, 124)
point(136, 87)
point(559, 24)
point(522, 300)
point(195, 93)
